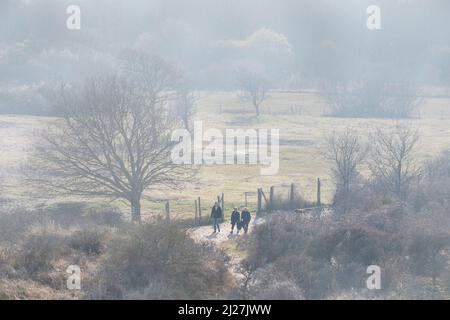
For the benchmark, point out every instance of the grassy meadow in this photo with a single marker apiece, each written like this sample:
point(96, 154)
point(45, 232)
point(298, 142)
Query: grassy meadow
point(300, 117)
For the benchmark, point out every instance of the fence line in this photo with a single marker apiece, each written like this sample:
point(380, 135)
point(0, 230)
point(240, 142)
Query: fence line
point(269, 202)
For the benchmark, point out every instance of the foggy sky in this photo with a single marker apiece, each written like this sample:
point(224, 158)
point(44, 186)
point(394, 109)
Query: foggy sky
point(210, 39)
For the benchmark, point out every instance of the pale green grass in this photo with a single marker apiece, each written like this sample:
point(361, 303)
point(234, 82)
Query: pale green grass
point(300, 160)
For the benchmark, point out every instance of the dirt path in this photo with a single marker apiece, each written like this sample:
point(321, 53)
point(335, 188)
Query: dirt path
point(206, 233)
point(221, 239)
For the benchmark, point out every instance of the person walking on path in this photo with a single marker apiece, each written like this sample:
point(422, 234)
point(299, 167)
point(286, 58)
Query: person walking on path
point(246, 217)
point(216, 216)
point(235, 219)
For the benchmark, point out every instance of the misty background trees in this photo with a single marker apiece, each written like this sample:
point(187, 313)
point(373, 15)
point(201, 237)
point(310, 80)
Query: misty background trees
point(387, 155)
point(373, 98)
point(280, 39)
point(346, 152)
point(184, 106)
point(393, 160)
point(253, 88)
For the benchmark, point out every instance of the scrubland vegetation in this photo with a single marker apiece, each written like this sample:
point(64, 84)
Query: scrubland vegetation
point(90, 115)
point(392, 213)
point(119, 260)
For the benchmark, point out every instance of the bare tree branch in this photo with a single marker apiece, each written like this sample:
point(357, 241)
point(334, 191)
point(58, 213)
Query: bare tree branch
point(346, 153)
point(113, 139)
point(393, 162)
point(254, 88)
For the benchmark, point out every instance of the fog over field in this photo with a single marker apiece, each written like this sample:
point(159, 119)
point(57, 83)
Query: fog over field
point(288, 40)
point(212, 149)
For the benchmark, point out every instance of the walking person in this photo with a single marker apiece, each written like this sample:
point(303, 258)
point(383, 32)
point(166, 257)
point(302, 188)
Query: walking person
point(235, 219)
point(216, 216)
point(246, 217)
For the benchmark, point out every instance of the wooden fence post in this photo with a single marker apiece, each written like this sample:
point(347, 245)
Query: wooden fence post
point(246, 203)
point(319, 203)
point(259, 199)
point(265, 198)
point(271, 198)
point(167, 207)
point(199, 210)
point(291, 196)
point(196, 210)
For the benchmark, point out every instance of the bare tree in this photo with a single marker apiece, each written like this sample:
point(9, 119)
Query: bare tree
point(185, 107)
point(156, 78)
point(160, 82)
point(253, 87)
point(371, 98)
point(346, 152)
point(112, 140)
point(393, 162)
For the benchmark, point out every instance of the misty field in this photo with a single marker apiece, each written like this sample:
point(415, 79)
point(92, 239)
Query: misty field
point(303, 123)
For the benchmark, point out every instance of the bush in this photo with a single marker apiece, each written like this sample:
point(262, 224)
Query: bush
point(6, 269)
point(269, 285)
point(87, 241)
point(283, 202)
point(159, 261)
point(38, 251)
point(111, 217)
point(320, 256)
point(71, 214)
point(14, 224)
point(282, 234)
point(372, 98)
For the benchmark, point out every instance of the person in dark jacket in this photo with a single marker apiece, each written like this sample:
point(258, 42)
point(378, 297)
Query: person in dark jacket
point(235, 219)
point(216, 216)
point(246, 217)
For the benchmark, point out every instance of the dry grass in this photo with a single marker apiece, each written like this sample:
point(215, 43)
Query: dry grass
point(31, 290)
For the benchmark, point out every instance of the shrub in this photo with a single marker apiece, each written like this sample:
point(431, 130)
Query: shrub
point(38, 251)
point(6, 270)
point(320, 256)
point(87, 241)
point(14, 224)
point(109, 216)
point(269, 285)
point(283, 202)
point(70, 214)
point(373, 97)
point(159, 261)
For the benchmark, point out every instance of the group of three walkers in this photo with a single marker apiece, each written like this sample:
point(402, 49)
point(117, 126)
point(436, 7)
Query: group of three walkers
point(240, 220)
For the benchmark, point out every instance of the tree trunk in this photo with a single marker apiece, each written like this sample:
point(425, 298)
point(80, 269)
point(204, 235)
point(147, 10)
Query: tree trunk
point(257, 109)
point(136, 210)
point(399, 181)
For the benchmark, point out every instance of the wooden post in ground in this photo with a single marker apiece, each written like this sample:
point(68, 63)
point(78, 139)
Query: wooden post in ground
point(167, 207)
point(265, 198)
point(271, 198)
point(259, 200)
point(199, 210)
point(196, 210)
point(319, 203)
point(291, 196)
point(246, 203)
